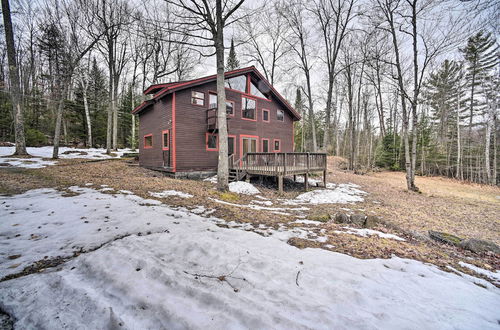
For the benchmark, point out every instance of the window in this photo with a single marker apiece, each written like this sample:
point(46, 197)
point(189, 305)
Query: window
point(212, 141)
point(238, 83)
point(277, 145)
point(148, 141)
point(265, 115)
point(165, 139)
point(197, 98)
point(280, 115)
point(254, 90)
point(212, 101)
point(247, 108)
point(265, 145)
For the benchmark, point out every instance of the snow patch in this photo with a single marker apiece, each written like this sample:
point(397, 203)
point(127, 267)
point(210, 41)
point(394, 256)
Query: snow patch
point(241, 187)
point(342, 194)
point(495, 276)
point(368, 232)
point(26, 162)
point(168, 193)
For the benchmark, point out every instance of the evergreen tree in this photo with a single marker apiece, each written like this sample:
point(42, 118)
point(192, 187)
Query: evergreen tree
point(232, 61)
point(481, 57)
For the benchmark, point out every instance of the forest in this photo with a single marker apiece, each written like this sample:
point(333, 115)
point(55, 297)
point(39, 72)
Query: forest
point(407, 85)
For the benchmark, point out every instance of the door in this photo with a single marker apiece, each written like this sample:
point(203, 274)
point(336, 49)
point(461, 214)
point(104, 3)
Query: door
point(249, 145)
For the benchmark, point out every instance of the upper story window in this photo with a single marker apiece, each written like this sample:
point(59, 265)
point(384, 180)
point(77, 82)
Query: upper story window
point(212, 104)
point(265, 115)
point(238, 83)
point(166, 140)
point(197, 98)
point(254, 90)
point(280, 115)
point(248, 107)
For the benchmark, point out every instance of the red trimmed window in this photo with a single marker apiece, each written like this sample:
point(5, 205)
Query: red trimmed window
point(212, 142)
point(265, 145)
point(248, 108)
point(212, 104)
point(148, 141)
point(277, 145)
point(265, 116)
point(165, 139)
point(280, 115)
point(197, 98)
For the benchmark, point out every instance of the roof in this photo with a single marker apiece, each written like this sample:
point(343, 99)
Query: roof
point(161, 90)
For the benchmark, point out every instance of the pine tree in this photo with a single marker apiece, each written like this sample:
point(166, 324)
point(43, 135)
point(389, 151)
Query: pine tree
point(481, 57)
point(232, 61)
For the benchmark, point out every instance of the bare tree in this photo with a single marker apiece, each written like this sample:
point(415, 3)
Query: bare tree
point(14, 81)
point(206, 21)
point(299, 42)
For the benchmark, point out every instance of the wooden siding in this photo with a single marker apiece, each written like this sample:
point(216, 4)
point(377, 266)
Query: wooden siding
point(191, 129)
point(153, 121)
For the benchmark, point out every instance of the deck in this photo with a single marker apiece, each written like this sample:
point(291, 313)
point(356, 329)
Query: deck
point(279, 165)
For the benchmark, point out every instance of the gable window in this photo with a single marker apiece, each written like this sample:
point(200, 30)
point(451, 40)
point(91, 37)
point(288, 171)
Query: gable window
point(212, 142)
point(280, 115)
point(265, 145)
point(265, 115)
point(212, 101)
point(165, 139)
point(197, 98)
point(254, 90)
point(148, 141)
point(238, 83)
point(248, 108)
point(277, 145)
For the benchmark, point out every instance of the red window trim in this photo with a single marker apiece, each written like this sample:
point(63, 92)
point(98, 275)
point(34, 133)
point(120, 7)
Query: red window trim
point(247, 94)
point(145, 136)
point(251, 137)
point(274, 145)
point(262, 145)
point(268, 115)
point(255, 112)
point(283, 115)
point(163, 139)
point(234, 103)
point(204, 98)
point(216, 143)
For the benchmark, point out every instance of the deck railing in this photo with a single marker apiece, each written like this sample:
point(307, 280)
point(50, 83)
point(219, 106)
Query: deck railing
point(281, 162)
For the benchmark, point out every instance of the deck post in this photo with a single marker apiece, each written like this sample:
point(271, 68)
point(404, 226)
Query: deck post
point(284, 164)
point(280, 184)
point(294, 178)
point(324, 178)
point(306, 181)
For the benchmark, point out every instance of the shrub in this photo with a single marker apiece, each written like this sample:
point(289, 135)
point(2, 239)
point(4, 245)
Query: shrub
point(35, 138)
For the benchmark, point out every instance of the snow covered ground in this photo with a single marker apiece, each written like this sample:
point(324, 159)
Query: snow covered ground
point(241, 187)
point(333, 194)
point(46, 152)
point(184, 271)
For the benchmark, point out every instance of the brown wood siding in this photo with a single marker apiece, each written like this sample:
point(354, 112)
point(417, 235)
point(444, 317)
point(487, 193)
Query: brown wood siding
point(191, 128)
point(153, 121)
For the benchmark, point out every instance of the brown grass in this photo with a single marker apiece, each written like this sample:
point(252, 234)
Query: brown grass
point(462, 209)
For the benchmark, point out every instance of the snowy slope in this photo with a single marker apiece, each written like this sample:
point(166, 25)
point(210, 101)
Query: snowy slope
point(169, 279)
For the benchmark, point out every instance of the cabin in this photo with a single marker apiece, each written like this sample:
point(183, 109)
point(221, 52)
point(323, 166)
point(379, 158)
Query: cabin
point(178, 130)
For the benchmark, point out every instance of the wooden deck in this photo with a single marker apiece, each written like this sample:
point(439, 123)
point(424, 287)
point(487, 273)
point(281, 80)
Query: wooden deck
point(279, 164)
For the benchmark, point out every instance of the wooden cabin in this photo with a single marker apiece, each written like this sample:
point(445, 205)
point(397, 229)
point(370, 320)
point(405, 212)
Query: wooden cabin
point(178, 124)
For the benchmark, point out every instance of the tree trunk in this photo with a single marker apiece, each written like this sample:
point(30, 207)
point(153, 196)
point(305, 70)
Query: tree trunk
point(487, 169)
point(459, 174)
point(60, 109)
point(222, 165)
point(14, 81)
point(87, 115)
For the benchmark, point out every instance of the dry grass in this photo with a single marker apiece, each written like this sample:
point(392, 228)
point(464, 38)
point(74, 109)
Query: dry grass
point(466, 210)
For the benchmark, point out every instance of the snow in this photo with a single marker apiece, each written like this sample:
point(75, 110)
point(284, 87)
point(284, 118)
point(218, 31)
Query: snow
point(170, 278)
point(168, 193)
point(25, 162)
point(340, 194)
point(212, 179)
point(257, 207)
point(266, 203)
point(364, 232)
point(495, 276)
point(46, 152)
point(241, 187)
